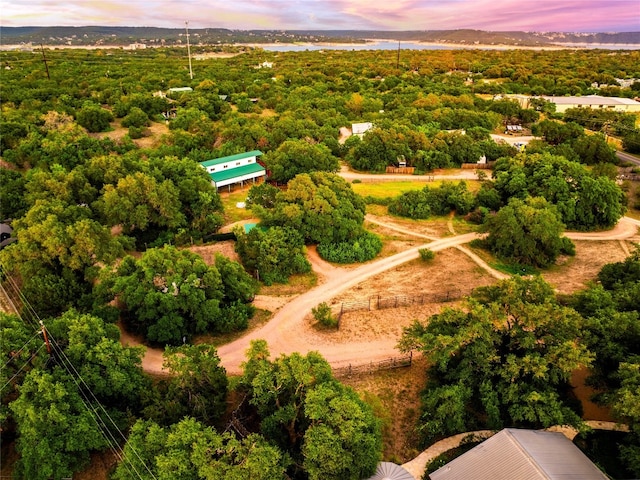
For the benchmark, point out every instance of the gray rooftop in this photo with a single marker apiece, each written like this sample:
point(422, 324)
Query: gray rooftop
point(523, 455)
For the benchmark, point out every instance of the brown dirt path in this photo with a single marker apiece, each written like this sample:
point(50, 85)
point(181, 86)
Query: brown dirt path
point(290, 331)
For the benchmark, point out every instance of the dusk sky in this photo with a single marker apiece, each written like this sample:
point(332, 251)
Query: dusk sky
point(493, 15)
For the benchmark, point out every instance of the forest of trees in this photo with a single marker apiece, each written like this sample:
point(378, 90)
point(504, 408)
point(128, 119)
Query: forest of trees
point(101, 222)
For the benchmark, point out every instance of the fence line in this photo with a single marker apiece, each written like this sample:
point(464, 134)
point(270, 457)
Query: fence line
point(371, 367)
point(378, 302)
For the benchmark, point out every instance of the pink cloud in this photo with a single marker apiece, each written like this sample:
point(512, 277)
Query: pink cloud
point(497, 15)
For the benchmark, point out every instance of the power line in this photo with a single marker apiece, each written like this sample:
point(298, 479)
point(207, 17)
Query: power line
point(84, 391)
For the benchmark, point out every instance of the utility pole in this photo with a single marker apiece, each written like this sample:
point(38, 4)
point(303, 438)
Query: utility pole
point(46, 338)
point(189, 50)
point(44, 59)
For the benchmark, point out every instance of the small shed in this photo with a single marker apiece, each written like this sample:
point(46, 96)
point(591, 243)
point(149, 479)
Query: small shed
point(391, 471)
point(517, 453)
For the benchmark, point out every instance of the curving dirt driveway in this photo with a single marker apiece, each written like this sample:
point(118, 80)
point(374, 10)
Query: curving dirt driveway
point(290, 331)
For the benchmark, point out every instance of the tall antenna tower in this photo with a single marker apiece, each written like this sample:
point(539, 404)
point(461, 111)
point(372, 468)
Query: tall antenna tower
point(189, 50)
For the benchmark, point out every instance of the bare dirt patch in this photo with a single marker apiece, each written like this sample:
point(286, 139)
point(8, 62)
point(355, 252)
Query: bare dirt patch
point(574, 273)
point(208, 252)
point(153, 138)
point(450, 270)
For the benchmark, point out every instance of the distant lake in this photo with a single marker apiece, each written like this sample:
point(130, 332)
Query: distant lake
point(392, 45)
point(355, 46)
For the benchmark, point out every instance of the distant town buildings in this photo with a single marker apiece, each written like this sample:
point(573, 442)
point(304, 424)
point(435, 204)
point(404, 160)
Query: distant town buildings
point(563, 104)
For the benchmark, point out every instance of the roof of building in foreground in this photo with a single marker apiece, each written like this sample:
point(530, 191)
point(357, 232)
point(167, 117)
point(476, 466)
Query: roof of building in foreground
point(231, 158)
point(523, 454)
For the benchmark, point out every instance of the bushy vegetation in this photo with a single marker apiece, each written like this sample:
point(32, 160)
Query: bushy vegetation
point(274, 254)
point(323, 315)
point(361, 249)
point(169, 295)
point(434, 201)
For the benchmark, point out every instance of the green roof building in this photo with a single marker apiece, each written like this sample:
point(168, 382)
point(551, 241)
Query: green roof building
point(235, 169)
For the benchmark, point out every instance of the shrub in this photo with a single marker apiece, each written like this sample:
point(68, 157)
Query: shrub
point(322, 314)
point(356, 180)
point(427, 254)
point(363, 248)
point(136, 132)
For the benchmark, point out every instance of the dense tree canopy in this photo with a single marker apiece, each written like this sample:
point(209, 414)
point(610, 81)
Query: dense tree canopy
point(504, 360)
point(321, 206)
point(328, 431)
point(170, 294)
point(299, 156)
point(612, 327)
point(527, 232)
point(584, 202)
point(272, 255)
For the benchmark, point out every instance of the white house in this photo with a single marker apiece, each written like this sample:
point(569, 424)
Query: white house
point(234, 169)
point(361, 128)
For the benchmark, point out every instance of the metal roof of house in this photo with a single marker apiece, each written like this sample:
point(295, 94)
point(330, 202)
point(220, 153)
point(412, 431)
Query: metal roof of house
point(252, 168)
point(391, 471)
point(591, 100)
point(523, 455)
point(231, 158)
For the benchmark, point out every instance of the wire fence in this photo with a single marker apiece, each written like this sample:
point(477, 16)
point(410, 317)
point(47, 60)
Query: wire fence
point(378, 302)
point(372, 367)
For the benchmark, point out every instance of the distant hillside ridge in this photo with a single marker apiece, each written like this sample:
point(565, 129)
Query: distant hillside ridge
point(153, 36)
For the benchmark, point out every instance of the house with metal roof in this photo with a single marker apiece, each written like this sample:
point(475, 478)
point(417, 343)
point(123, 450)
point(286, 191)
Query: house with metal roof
point(524, 455)
point(617, 104)
point(235, 169)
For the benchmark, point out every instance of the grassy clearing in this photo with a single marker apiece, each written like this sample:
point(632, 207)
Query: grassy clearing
point(297, 284)
point(393, 189)
point(232, 213)
point(389, 189)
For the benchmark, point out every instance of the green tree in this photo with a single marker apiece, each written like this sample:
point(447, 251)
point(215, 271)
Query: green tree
point(584, 201)
point(325, 428)
point(57, 428)
point(169, 294)
point(12, 189)
point(505, 360)
point(527, 232)
point(136, 118)
point(23, 351)
point(299, 156)
point(94, 118)
point(52, 231)
point(321, 206)
point(593, 149)
point(112, 372)
point(272, 255)
point(189, 450)
point(198, 387)
point(139, 202)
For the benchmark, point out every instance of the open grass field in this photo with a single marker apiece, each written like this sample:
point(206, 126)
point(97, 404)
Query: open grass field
point(393, 189)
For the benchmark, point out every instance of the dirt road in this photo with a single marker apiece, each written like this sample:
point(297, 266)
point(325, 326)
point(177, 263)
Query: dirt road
point(290, 330)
